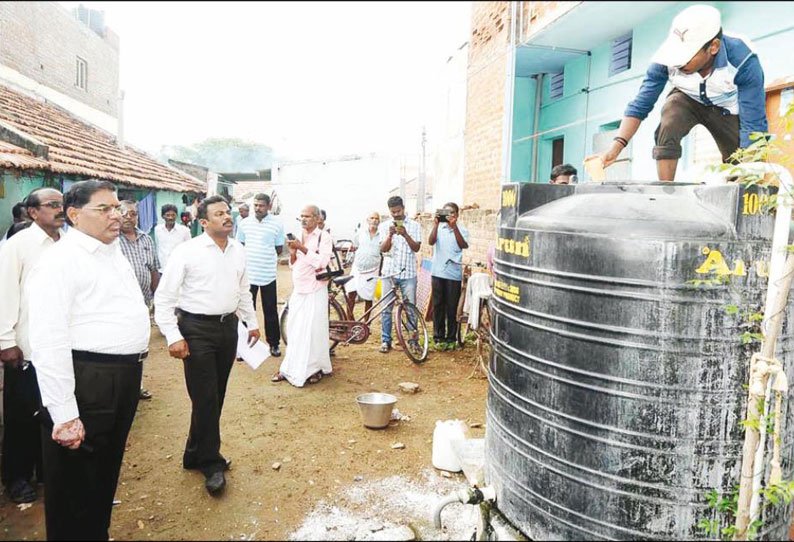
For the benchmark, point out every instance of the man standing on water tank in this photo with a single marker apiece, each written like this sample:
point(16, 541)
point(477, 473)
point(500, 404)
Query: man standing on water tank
point(717, 81)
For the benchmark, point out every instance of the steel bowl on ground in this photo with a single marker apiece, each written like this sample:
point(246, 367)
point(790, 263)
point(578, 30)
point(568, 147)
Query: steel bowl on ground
point(376, 409)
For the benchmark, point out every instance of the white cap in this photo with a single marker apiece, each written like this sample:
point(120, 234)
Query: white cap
point(690, 31)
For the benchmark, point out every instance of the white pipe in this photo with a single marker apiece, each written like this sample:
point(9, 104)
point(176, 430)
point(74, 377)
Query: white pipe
point(472, 495)
point(533, 178)
point(779, 242)
point(458, 496)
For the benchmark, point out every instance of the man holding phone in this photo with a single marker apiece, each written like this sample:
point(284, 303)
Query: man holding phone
point(448, 240)
point(203, 286)
point(400, 236)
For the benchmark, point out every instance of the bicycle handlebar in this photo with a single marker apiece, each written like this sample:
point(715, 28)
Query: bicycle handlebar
point(387, 276)
point(473, 264)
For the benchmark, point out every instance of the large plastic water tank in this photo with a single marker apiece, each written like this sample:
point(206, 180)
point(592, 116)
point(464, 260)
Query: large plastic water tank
point(615, 394)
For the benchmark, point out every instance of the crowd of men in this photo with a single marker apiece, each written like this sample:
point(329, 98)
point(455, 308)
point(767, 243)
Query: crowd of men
point(80, 283)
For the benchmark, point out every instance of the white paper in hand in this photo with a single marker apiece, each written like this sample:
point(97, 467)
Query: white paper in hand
point(252, 355)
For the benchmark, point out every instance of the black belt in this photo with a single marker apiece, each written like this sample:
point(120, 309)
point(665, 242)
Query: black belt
point(82, 355)
point(211, 317)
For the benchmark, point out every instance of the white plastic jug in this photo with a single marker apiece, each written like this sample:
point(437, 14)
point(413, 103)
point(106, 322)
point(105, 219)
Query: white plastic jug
point(444, 434)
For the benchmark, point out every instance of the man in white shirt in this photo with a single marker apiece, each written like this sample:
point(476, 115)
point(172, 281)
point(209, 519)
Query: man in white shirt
point(243, 210)
point(169, 235)
point(89, 332)
point(21, 397)
point(203, 286)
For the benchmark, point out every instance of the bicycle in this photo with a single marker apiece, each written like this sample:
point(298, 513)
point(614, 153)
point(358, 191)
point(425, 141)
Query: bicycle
point(411, 329)
point(482, 330)
point(335, 310)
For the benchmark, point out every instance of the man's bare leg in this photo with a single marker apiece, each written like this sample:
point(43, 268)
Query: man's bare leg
point(666, 169)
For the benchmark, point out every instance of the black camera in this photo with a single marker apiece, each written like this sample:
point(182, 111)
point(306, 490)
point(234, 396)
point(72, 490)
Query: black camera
point(442, 215)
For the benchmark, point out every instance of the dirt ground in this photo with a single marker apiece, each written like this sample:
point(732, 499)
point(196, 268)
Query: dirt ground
point(314, 432)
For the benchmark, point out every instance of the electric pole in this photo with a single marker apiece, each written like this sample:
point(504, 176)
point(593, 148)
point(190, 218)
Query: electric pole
point(420, 193)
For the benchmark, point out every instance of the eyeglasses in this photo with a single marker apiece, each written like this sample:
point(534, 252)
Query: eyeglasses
point(52, 204)
point(106, 210)
point(129, 212)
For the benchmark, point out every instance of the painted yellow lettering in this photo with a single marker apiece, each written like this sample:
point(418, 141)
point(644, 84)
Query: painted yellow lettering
point(714, 263)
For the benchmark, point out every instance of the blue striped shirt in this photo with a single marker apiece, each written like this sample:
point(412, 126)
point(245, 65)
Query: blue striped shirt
point(261, 239)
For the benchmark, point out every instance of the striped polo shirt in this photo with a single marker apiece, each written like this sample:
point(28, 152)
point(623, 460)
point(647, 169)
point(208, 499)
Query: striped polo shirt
point(261, 239)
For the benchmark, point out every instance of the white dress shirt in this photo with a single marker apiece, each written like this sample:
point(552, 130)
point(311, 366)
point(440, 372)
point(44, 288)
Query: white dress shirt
point(18, 256)
point(203, 279)
point(83, 296)
point(167, 241)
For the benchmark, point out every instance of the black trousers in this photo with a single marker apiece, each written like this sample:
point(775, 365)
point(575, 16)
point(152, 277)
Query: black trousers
point(213, 348)
point(269, 310)
point(80, 484)
point(22, 432)
point(446, 294)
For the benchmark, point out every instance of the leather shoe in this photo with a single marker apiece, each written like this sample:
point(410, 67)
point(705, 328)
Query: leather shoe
point(21, 491)
point(275, 351)
point(215, 483)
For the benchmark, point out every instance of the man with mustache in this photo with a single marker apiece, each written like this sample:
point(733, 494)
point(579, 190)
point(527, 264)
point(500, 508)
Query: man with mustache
point(308, 358)
point(717, 81)
point(21, 397)
point(169, 235)
point(203, 286)
point(139, 250)
point(89, 332)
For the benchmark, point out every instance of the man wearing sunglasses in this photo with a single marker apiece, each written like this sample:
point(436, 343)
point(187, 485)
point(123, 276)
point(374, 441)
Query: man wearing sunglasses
point(21, 398)
point(89, 333)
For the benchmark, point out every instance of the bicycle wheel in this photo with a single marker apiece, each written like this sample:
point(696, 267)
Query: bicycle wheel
point(484, 348)
point(412, 332)
point(335, 312)
point(283, 323)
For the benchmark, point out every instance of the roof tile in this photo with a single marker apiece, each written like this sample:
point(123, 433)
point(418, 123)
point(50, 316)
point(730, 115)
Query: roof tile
point(78, 148)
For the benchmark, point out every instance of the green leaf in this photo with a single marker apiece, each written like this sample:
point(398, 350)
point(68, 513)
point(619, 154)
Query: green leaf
point(731, 309)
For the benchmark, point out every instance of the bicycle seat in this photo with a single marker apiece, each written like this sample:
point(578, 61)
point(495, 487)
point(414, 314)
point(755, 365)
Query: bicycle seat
point(341, 281)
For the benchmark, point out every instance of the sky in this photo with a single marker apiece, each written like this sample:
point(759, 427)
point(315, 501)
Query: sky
point(311, 79)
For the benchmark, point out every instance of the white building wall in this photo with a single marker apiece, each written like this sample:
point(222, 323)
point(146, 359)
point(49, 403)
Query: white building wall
point(446, 133)
point(347, 188)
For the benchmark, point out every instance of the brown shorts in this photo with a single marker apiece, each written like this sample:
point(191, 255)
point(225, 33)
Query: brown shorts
point(681, 113)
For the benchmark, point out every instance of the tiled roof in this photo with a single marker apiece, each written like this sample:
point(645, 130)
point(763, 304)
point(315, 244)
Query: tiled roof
point(78, 148)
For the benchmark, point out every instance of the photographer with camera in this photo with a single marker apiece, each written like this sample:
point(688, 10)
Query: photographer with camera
point(448, 240)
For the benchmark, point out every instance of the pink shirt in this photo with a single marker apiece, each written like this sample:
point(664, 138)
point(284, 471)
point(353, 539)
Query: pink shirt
point(319, 249)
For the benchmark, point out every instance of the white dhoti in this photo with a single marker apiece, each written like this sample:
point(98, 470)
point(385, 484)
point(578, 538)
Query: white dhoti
point(307, 329)
point(363, 283)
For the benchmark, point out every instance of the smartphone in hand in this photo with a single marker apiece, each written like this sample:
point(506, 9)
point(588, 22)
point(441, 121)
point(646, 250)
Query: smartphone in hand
point(290, 237)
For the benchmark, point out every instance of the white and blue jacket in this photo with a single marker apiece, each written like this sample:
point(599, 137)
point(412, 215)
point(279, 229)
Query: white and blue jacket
point(736, 85)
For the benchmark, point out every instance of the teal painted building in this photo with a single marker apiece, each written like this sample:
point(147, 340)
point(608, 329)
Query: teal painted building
point(578, 109)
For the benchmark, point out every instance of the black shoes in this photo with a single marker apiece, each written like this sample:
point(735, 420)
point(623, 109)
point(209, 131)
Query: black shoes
point(21, 491)
point(275, 351)
point(215, 483)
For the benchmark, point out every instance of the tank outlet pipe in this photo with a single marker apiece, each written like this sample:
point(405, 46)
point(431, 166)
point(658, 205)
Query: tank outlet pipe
point(471, 495)
point(780, 277)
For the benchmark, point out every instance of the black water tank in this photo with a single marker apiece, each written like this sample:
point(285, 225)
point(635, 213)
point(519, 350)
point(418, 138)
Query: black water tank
point(615, 390)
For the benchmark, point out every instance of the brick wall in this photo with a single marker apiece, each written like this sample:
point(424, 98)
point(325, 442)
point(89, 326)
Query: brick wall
point(536, 15)
point(485, 115)
point(42, 40)
point(488, 50)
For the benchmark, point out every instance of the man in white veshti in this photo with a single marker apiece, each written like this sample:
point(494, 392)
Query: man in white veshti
point(307, 355)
